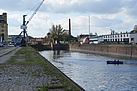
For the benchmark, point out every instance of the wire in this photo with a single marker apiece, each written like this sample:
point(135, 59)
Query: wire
point(33, 8)
point(38, 6)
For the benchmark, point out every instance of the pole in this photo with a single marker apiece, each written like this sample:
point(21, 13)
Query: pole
point(89, 26)
point(69, 27)
point(24, 21)
point(69, 30)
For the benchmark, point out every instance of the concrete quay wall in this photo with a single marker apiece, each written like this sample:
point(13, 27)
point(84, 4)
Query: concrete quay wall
point(122, 51)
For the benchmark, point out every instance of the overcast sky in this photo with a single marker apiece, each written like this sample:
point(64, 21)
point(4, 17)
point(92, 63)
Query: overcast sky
point(119, 15)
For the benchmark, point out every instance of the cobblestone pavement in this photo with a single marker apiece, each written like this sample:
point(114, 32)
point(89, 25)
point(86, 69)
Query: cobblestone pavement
point(4, 58)
point(24, 78)
point(6, 50)
point(26, 71)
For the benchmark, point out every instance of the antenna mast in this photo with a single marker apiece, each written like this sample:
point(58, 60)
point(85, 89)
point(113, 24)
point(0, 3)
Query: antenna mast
point(89, 26)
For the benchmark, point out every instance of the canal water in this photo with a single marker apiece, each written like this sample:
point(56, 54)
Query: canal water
point(92, 73)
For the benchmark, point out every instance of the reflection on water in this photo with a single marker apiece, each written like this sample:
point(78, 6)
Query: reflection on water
point(92, 73)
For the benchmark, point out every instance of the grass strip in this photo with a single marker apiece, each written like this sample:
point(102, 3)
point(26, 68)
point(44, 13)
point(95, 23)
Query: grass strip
point(8, 52)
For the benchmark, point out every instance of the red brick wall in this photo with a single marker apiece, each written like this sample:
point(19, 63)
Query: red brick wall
point(119, 49)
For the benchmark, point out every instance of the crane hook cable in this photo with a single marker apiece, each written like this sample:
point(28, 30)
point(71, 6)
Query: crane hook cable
point(34, 12)
point(32, 9)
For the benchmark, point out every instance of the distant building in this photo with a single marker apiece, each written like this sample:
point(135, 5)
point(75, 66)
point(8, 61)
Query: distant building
point(112, 37)
point(37, 40)
point(43, 40)
point(124, 38)
point(3, 28)
point(92, 38)
point(117, 38)
point(14, 38)
point(100, 39)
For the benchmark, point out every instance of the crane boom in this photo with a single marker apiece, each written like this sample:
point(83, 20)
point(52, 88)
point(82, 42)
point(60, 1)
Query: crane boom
point(24, 25)
point(34, 12)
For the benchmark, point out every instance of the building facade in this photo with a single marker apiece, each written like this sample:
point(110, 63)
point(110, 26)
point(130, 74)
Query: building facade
point(117, 38)
point(113, 37)
point(3, 28)
point(122, 38)
point(12, 39)
point(92, 38)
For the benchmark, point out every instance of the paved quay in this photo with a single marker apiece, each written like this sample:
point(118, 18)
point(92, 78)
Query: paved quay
point(5, 57)
point(6, 50)
point(27, 70)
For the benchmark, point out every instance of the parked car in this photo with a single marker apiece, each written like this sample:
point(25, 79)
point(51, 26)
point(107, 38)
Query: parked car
point(17, 44)
point(1, 45)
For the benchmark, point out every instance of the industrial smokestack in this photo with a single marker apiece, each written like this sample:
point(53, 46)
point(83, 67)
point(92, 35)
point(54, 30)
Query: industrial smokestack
point(69, 27)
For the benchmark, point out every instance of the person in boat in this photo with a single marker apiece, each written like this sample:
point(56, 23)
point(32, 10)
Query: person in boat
point(114, 60)
point(117, 60)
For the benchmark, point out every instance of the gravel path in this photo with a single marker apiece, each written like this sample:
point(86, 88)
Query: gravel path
point(6, 57)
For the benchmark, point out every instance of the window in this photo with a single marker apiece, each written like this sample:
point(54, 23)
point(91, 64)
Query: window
point(105, 40)
point(126, 40)
point(2, 30)
point(2, 26)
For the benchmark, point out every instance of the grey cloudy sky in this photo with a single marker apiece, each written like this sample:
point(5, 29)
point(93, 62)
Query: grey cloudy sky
point(119, 15)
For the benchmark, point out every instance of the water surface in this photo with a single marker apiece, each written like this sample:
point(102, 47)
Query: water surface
point(91, 72)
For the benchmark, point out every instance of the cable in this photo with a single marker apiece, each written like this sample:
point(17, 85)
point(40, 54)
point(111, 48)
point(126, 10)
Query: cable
point(32, 9)
point(34, 12)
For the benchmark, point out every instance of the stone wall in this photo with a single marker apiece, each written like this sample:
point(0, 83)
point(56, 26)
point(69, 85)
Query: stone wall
point(41, 47)
point(60, 47)
point(129, 51)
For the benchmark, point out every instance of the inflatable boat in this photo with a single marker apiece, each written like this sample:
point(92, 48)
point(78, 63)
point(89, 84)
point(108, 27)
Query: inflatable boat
point(114, 62)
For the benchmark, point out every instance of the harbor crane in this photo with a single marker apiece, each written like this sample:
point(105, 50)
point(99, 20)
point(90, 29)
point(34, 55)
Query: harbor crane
point(24, 26)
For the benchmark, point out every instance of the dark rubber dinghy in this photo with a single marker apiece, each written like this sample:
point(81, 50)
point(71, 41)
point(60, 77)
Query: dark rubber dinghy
point(114, 62)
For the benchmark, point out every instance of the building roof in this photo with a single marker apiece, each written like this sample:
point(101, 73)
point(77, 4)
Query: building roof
point(135, 27)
